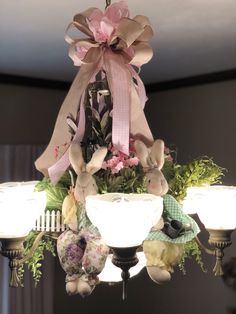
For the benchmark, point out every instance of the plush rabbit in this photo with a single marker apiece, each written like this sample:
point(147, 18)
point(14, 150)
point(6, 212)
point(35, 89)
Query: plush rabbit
point(82, 253)
point(161, 256)
point(152, 161)
point(85, 182)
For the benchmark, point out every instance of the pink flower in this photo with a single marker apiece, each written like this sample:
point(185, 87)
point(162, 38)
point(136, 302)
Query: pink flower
point(133, 161)
point(120, 160)
point(104, 24)
point(117, 168)
point(111, 163)
point(114, 164)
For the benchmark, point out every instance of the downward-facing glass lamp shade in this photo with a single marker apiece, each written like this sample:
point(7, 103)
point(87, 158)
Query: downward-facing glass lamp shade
point(215, 206)
point(111, 273)
point(20, 206)
point(124, 220)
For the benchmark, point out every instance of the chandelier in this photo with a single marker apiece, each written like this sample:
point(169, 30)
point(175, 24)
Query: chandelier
point(113, 199)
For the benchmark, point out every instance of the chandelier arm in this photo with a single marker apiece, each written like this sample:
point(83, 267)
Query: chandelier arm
point(204, 248)
point(12, 248)
point(220, 239)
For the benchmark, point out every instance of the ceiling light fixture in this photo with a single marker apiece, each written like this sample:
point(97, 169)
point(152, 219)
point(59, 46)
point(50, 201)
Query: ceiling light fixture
point(111, 172)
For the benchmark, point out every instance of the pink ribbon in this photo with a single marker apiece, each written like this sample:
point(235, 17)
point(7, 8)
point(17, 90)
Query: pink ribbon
point(58, 169)
point(119, 80)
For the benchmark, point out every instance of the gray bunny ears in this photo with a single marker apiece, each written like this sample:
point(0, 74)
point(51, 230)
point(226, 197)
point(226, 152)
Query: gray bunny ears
point(152, 161)
point(78, 163)
point(150, 158)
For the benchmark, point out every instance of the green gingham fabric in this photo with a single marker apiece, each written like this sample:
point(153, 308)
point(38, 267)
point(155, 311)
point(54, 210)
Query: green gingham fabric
point(84, 222)
point(173, 210)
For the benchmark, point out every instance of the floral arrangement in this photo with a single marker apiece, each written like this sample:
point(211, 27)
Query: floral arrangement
point(107, 141)
point(130, 179)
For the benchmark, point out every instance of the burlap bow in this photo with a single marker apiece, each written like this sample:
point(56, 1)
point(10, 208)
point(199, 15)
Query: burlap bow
point(127, 45)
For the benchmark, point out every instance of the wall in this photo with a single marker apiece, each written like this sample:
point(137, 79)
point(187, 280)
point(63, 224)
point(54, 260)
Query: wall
point(27, 114)
point(200, 121)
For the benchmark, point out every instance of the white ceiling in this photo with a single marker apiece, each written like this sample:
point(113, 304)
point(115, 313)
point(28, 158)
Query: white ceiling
point(191, 37)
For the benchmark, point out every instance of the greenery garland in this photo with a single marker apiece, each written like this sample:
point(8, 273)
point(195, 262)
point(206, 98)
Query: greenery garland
point(34, 263)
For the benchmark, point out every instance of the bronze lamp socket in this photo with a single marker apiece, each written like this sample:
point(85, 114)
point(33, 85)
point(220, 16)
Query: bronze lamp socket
point(13, 250)
point(220, 239)
point(124, 258)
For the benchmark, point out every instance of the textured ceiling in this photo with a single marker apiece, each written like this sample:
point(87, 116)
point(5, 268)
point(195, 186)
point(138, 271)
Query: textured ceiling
point(191, 37)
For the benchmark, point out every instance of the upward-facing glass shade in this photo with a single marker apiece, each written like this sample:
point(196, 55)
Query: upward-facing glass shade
point(215, 205)
point(20, 206)
point(124, 220)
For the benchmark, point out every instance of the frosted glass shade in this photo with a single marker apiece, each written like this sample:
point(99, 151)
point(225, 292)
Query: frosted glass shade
point(111, 273)
point(189, 203)
point(215, 205)
point(20, 206)
point(124, 220)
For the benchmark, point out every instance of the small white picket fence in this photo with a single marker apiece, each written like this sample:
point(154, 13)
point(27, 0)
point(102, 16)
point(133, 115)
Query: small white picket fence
point(50, 222)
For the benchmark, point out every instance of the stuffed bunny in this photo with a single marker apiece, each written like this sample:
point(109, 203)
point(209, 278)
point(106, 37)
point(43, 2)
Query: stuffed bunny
point(161, 256)
point(82, 253)
point(85, 182)
point(152, 161)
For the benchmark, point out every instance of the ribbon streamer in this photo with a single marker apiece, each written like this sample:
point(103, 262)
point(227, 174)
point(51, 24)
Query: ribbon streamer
point(119, 80)
point(57, 170)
